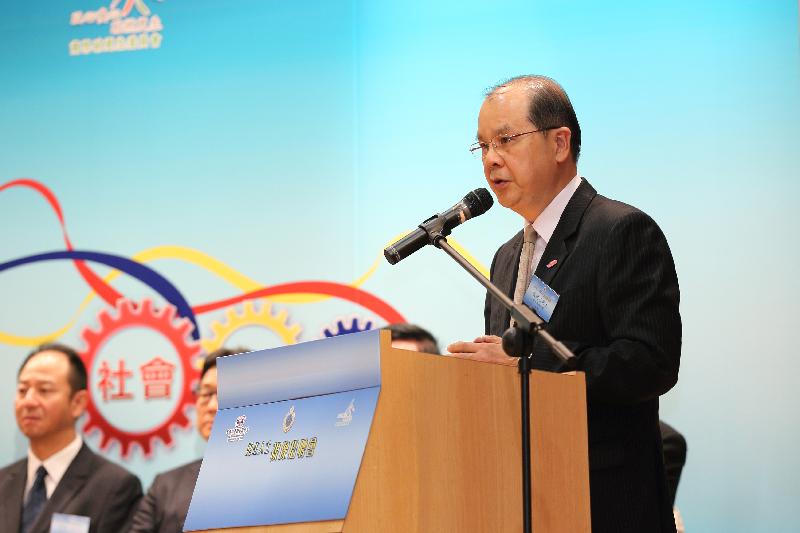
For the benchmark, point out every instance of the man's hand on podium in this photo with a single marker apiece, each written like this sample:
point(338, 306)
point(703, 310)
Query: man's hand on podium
point(486, 348)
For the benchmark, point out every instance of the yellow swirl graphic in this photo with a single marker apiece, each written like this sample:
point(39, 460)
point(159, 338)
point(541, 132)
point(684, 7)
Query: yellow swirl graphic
point(219, 269)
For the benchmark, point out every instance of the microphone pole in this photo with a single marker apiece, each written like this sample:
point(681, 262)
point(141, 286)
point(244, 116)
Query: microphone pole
point(517, 342)
point(527, 321)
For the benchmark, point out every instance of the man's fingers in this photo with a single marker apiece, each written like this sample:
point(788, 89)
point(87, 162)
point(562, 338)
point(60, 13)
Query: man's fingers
point(462, 347)
point(489, 338)
point(487, 348)
point(481, 344)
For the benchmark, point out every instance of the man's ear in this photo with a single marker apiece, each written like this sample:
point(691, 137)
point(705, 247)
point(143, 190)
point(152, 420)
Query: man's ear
point(78, 402)
point(562, 138)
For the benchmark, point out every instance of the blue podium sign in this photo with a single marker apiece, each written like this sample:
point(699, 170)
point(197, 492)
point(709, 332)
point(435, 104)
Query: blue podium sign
point(290, 433)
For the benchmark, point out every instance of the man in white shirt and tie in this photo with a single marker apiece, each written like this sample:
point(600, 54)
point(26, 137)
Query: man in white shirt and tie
point(61, 475)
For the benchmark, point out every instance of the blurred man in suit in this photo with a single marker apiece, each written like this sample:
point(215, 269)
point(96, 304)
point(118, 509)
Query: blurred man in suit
point(617, 308)
point(164, 507)
point(674, 445)
point(412, 337)
point(61, 474)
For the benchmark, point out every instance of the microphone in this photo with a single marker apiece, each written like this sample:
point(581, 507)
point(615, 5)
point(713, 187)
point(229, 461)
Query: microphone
point(472, 205)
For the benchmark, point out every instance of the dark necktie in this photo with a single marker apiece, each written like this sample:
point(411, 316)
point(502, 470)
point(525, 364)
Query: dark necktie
point(37, 497)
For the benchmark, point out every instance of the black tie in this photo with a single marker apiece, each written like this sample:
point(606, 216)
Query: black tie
point(37, 497)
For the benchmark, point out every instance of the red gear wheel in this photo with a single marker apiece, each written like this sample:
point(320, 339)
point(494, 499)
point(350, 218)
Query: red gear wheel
point(129, 314)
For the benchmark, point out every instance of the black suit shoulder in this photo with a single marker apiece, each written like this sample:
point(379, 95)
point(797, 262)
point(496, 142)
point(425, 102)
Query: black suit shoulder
point(607, 215)
point(12, 486)
point(110, 470)
point(98, 488)
point(13, 468)
point(612, 209)
point(164, 507)
point(604, 226)
point(92, 486)
point(179, 473)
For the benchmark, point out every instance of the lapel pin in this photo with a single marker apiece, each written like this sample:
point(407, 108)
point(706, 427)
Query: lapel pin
point(552, 263)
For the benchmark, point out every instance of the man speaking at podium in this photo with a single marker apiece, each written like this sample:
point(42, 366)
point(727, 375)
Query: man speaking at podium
point(617, 294)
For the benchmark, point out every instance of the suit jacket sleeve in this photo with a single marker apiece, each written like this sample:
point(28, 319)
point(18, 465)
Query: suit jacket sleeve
point(638, 296)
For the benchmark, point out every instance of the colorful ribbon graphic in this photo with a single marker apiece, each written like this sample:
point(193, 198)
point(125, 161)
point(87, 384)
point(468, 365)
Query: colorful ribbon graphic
point(301, 292)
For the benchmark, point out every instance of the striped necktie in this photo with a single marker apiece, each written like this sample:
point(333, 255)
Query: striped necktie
point(525, 263)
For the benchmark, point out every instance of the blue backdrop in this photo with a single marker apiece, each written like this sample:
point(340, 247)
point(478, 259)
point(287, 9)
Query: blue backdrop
point(238, 147)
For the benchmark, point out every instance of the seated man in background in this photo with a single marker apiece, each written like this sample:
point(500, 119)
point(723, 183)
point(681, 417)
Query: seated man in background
point(674, 445)
point(61, 475)
point(164, 507)
point(412, 337)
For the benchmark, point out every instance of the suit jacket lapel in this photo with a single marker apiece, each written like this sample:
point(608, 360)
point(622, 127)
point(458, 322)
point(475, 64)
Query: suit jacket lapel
point(11, 491)
point(557, 250)
point(510, 263)
point(505, 277)
point(70, 485)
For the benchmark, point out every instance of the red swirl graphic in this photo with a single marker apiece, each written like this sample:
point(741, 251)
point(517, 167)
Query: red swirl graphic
point(111, 296)
point(339, 290)
point(103, 289)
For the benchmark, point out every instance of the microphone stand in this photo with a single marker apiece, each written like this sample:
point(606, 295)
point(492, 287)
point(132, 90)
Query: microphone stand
point(517, 342)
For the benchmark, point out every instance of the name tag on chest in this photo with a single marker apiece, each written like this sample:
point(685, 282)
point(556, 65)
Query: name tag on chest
point(541, 298)
point(69, 523)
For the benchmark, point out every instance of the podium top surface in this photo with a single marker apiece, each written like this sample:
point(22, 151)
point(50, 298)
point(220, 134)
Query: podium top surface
point(300, 370)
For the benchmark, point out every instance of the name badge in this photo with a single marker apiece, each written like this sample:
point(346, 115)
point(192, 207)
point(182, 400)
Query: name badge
point(69, 523)
point(541, 298)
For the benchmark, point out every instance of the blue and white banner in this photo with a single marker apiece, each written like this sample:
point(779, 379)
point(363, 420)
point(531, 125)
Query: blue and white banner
point(294, 454)
point(178, 176)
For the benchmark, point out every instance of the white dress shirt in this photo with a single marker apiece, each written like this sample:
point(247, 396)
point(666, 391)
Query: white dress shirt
point(56, 465)
point(545, 224)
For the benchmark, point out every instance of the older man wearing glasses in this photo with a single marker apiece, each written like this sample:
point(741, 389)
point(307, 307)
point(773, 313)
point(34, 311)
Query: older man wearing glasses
point(616, 290)
point(164, 507)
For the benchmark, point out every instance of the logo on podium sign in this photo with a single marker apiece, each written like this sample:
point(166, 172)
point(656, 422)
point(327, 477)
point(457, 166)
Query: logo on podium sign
point(288, 420)
point(344, 418)
point(239, 429)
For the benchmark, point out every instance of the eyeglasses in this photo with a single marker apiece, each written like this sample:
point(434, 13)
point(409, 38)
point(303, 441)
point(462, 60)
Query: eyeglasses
point(501, 143)
point(204, 396)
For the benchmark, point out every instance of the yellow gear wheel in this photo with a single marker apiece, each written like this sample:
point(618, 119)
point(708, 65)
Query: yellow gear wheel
point(221, 331)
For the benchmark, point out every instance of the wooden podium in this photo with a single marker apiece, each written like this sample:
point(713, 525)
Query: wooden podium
point(443, 453)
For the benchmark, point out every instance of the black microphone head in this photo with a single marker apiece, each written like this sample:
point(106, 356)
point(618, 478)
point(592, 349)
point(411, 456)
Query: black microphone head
point(478, 202)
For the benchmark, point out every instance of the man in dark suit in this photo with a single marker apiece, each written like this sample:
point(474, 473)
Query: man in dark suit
point(164, 507)
point(61, 474)
point(618, 295)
